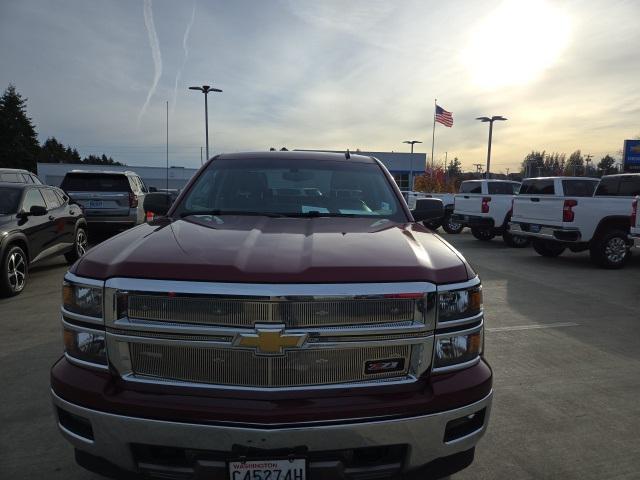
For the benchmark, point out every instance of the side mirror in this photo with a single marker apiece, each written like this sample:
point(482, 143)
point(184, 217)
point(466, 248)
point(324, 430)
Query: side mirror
point(37, 210)
point(427, 209)
point(157, 203)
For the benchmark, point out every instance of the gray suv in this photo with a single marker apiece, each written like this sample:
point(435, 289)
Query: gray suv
point(111, 200)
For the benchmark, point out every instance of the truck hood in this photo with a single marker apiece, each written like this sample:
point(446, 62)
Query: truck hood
point(257, 249)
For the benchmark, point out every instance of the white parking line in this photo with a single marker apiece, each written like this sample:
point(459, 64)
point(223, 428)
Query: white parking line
point(533, 326)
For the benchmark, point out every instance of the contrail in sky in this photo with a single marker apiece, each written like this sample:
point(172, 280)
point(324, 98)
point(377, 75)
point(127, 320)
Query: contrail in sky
point(185, 48)
point(155, 53)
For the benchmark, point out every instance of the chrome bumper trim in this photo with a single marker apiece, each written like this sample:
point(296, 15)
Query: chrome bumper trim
point(546, 233)
point(424, 435)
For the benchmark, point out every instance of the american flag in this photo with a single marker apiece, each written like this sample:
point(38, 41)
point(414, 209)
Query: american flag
point(444, 117)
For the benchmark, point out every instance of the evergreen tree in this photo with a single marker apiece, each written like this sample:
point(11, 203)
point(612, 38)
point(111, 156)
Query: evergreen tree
point(607, 165)
point(454, 169)
point(19, 146)
point(575, 164)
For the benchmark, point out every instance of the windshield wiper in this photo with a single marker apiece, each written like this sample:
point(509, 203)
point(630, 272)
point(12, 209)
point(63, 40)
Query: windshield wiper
point(232, 212)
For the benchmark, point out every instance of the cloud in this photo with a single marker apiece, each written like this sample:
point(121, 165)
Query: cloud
point(185, 49)
point(155, 53)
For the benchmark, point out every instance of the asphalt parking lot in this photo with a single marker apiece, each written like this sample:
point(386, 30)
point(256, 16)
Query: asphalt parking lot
point(562, 336)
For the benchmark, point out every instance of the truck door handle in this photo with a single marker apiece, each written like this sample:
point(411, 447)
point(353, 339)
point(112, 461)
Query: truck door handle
point(51, 217)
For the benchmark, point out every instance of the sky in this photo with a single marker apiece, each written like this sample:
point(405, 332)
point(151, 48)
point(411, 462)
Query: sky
point(326, 75)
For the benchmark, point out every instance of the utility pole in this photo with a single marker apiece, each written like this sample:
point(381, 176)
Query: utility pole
point(478, 167)
point(206, 89)
point(490, 120)
point(201, 156)
point(167, 145)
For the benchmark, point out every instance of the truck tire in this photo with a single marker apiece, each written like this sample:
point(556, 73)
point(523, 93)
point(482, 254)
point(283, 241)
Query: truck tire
point(15, 269)
point(483, 234)
point(449, 226)
point(547, 248)
point(432, 224)
point(80, 245)
point(515, 241)
point(610, 249)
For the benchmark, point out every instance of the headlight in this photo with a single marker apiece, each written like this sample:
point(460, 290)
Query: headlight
point(86, 345)
point(456, 304)
point(457, 349)
point(82, 299)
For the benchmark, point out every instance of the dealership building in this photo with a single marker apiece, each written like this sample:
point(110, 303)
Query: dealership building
point(403, 166)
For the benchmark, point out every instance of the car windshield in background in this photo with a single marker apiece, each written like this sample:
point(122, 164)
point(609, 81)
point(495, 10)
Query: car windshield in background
point(88, 182)
point(304, 188)
point(9, 199)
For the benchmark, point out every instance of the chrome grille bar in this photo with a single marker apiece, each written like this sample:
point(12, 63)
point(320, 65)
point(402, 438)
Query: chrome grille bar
point(221, 366)
point(294, 314)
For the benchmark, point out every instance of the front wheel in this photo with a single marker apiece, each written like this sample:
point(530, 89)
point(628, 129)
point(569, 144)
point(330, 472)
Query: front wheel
point(15, 269)
point(449, 226)
point(515, 241)
point(610, 250)
point(547, 248)
point(483, 234)
point(80, 246)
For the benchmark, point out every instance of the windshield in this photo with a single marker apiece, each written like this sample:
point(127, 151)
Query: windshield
point(90, 182)
point(9, 199)
point(280, 187)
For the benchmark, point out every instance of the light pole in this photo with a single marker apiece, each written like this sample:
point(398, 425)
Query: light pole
point(490, 120)
point(206, 89)
point(412, 143)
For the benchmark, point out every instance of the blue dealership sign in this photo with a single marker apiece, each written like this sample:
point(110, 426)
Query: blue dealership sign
point(631, 156)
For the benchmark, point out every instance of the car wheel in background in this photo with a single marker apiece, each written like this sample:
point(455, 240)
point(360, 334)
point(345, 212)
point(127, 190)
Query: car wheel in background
point(515, 241)
point(15, 269)
point(547, 248)
point(484, 234)
point(611, 249)
point(449, 226)
point(80, 245)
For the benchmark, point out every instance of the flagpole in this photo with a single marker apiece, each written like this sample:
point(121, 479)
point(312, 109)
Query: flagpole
point(433, 135)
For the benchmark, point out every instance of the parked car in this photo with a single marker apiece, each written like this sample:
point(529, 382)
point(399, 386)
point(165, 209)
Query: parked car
point(250, 335)
point(598, 223)
point(15, 175)
point(37, 222)
point(111, 200)
point(485, 207)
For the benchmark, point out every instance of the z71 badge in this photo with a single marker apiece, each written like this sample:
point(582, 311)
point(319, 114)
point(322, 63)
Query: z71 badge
point(383, 366)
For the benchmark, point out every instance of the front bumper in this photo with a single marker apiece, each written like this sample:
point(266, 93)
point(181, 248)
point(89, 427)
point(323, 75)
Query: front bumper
point(558, 234)
point(473, 221)
point(113, 436)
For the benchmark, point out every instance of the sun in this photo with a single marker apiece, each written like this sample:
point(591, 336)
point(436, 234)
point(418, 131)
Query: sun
point(514, 44)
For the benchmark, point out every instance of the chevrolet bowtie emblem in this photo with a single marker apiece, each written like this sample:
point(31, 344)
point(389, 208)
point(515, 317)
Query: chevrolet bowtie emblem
point(269, 340)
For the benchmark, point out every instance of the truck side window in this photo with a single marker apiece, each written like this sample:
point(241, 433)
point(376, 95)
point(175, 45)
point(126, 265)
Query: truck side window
point(608, 186)
point(579, 188)
point(537, 187)
point(471, 187)
point(502, 188)
point(629, 186)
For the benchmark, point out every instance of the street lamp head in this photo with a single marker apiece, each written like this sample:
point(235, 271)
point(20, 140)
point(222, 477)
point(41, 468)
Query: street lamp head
point(412, 142)
point(484, 119)
point(498, 117)
point(195, 88)
point(215, 90)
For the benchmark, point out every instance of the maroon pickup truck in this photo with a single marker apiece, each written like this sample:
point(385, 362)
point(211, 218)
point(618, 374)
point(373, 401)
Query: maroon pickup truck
point(287, 318)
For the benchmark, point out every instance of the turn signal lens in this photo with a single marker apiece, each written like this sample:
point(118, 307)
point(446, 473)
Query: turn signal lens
point(86, 345)
point(457, 349)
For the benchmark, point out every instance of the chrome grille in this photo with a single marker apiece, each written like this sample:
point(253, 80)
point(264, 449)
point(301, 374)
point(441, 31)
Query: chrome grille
point(224, 366)
point(294, 314)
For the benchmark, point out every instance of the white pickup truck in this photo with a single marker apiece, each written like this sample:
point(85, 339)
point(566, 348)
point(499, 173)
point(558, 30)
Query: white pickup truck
point(485, 207)
point(448, 200)
point(598, 223)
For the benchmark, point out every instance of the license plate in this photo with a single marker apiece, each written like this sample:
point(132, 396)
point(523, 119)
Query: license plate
point(534, 228)
point(95, 204)
point(268, 470)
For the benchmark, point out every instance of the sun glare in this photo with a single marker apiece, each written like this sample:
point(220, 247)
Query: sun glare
point(515, 43)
